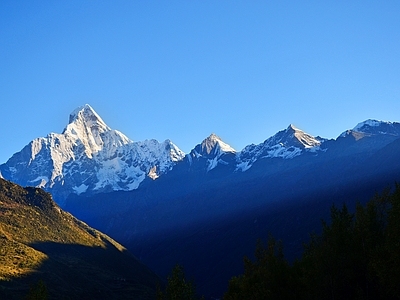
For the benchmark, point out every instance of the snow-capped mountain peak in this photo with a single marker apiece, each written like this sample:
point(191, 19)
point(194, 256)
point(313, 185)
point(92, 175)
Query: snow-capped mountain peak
point(286, 144)
point(89, 156)
point(378, 127)
point(88, 128)
point(87, 115)
point(291, 127)
point(212, 144)
point(367, 123)
point(213, 150)
point(293, 137)
point(371, 127)
point(307, 140)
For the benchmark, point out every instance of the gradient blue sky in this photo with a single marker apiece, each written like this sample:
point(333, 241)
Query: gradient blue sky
point(184, 69)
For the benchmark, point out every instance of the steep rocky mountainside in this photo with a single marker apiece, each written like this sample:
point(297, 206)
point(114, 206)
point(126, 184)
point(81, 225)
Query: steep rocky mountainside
point(41, 242)
point(89, 156)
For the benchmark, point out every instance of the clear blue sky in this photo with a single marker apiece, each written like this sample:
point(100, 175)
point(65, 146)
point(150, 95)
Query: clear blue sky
point(184, 69)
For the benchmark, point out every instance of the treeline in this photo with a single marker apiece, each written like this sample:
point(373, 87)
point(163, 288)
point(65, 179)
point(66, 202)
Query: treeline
point(357, 256)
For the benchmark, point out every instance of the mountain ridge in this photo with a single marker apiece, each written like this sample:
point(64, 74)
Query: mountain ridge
point(89, 157)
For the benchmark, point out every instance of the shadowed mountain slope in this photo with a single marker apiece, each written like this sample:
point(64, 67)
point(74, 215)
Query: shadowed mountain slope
point(41, 242)
point(207, 223)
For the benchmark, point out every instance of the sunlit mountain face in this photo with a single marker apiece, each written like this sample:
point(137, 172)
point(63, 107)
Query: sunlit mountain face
point(89, 157)
point(41, 243)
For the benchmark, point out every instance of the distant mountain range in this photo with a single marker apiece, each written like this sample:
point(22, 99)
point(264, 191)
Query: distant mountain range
point(207, 208)
point(89, 157)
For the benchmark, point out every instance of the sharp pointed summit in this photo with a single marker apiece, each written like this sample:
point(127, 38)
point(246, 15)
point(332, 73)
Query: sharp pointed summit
point(213, 144)
point(86, 127)
point(291, 127)
point(213, 150)
point(89, 157)
point(293, 137)
point(305, 140)
point(86, 113)
point(84, 122)
point(286, 144)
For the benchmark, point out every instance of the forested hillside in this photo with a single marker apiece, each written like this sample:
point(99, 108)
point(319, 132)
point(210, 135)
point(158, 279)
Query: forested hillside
point(355, 257)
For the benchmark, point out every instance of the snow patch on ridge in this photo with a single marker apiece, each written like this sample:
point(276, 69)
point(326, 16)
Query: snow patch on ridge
point(80, 189)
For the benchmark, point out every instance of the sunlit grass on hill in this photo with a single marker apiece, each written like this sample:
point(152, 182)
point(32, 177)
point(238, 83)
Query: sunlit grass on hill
point(39, 242)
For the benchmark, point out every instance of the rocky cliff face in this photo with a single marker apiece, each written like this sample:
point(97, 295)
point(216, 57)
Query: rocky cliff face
point(88, 156)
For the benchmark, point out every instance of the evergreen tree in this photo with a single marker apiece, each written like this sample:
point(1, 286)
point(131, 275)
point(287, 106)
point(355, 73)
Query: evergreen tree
point(357, 256)
point(178, 287)
point(38, 292)
point(387, 264)
point(269, 277)
point(368, 235)
point(333, 258)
